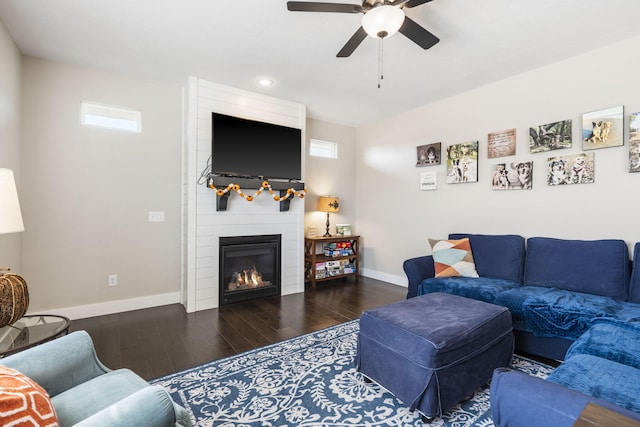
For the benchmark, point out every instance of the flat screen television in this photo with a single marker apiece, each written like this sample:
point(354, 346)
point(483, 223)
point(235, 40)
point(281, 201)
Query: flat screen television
point(249, 148)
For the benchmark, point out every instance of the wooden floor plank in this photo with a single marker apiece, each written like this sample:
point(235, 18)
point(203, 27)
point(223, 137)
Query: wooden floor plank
point(159, 341)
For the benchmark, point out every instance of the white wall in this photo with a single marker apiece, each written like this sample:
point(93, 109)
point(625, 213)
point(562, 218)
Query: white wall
point(10, 244)
point(87, 192)
point(334, 177)
point(396, 218)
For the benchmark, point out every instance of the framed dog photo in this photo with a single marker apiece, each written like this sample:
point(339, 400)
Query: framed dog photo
point(512, 176)
point(462, 163)
point(603, 128)
point(552, 136)
point(429, 155)
point(343, 229)
point(634, 142)
point(573, 169)
point(501, 144)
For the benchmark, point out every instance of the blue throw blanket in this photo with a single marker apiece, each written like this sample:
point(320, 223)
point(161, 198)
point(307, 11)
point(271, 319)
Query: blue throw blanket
point(546, 312)
point(566, 314)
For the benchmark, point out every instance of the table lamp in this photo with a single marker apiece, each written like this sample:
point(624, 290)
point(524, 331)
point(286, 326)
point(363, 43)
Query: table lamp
point(328, 204)
point(14, 297)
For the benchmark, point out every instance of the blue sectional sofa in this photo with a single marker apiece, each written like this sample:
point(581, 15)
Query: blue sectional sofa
point(555, 290)
point(601, 367)
point(571, 300)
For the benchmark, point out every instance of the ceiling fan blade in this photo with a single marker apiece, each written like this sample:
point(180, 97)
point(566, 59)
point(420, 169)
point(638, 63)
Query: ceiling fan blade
point(418, 34)
point(399, 3)
point(414, 3)
point(353, 43)
point(303, 6)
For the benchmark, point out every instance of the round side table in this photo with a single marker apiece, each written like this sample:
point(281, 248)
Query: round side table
point(31, 330)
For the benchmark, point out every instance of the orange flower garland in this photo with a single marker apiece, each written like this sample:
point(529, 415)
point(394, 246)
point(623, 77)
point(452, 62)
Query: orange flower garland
point(265, 186)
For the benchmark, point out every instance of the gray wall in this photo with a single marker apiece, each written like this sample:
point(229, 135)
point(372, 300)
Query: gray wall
point(335, 177)
point(396, 217)
point(10, 244)
point(87, 192)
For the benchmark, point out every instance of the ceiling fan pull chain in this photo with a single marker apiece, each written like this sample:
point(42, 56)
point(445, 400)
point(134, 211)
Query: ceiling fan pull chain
point(380, 61)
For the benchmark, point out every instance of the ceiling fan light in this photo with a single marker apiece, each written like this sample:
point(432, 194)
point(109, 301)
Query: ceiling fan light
point(383, 21)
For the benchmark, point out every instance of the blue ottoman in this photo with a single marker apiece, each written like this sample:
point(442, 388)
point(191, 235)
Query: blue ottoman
point(434, 350)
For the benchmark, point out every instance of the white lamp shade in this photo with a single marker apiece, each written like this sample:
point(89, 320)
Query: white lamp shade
point(10, 215)
point(383, 21)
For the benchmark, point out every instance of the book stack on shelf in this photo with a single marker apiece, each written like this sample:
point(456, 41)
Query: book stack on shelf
point(337, 267)
point(338, 249)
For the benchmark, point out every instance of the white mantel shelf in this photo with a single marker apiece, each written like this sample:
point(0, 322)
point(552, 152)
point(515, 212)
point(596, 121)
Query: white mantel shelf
point(254, 183)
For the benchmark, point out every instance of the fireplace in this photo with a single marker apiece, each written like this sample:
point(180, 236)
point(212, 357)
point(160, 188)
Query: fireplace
point(249, 267)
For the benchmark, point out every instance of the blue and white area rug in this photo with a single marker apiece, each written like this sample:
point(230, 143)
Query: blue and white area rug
point(308, 381)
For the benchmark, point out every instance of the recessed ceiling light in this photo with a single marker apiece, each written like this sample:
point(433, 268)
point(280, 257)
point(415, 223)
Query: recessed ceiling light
point(265, 82)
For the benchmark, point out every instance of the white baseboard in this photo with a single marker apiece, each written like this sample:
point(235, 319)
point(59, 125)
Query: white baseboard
point(118, 306)
point(385, 277)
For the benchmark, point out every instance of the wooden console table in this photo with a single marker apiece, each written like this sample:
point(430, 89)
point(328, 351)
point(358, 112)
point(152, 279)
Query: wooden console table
point(319, 266)
point(597, 416)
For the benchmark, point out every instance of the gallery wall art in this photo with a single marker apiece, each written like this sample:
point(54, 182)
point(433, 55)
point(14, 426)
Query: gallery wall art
point(462, 163)
point(501, 144)
point(551, 136)
point(571, 169)
point(599, 129)
point(512, 176)
point(428, 181)
point(634, 142)
point(603, 128)
point(429, 155)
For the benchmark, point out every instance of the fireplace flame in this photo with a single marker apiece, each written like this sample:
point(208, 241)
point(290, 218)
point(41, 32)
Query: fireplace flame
point(247, 279)
point(256, 278)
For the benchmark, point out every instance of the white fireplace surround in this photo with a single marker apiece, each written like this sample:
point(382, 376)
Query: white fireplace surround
point(203, 225)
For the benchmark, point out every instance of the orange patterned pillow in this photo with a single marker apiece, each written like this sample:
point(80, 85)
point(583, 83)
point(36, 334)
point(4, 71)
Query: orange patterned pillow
point(453, 258)
point(23, 402)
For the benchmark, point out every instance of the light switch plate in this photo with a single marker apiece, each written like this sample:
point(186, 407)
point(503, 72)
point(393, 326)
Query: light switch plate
point(157, 216)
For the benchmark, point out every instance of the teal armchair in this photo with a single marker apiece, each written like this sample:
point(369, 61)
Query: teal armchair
point(86, 393)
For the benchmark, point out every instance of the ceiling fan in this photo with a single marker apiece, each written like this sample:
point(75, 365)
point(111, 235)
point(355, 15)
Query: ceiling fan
point(382, 18)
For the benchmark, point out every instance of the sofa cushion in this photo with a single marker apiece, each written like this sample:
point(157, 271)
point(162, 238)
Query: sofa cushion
point(562, 313)
point(87, 398)
point(601, 378)
point(453, 258)
point(612, 341)
point(629, 314)
point(514, 299)
point(499, 256)
point(479, 288)
point(23, 402)
point(599, 267)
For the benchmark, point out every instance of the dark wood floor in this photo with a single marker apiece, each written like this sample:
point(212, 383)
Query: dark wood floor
point(158, 341)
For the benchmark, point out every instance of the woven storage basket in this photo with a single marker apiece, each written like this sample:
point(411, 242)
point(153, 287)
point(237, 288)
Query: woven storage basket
point(14, 298)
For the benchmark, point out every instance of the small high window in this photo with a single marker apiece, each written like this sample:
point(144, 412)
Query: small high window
point(109, 116)
point(326, 149)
